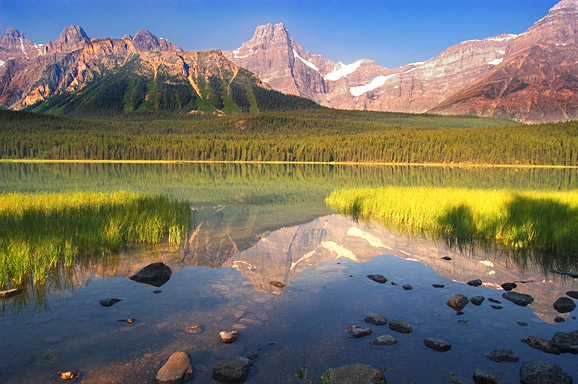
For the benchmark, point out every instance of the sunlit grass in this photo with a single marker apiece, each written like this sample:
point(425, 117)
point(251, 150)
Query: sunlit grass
point(528, 220)
point(42, 233)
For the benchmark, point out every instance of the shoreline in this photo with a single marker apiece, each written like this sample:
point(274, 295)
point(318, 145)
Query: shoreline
point(380, 164)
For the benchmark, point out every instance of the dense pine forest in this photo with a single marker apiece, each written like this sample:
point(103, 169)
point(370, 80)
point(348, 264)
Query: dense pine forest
point(317, 135)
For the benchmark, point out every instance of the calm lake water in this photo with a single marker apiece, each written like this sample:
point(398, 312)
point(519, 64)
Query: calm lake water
point(254, 224)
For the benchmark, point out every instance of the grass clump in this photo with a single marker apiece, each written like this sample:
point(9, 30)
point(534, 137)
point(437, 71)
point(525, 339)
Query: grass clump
point(519, 221)
point(40, 234)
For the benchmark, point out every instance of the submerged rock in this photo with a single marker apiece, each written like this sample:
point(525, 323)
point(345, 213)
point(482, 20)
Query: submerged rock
point(356, 374)
point(155, 274)
point(496, 306)
point(482, 377)
point(233, 370)
point(355, 332)
point(541, 344)
point(492, 300)
point(400, 326)
point(500, 355)
point(475, 283)
point(538, 372)
point(375, 319)
point(477, 300)
point(10, 293)
point(437, 344)
point(566, 341)
point(509, 286)
point(457, 302)
point(564, 305)
point(438, 285)
point(385, 340)
point(378, 278)
point(229, 337)
point(522, 324)
point(108, 302)
point(176, 370)
point(520, 299)
point(407, 287)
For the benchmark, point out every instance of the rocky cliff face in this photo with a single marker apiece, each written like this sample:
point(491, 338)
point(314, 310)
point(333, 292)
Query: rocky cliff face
point(146, 41)
point(538, 78)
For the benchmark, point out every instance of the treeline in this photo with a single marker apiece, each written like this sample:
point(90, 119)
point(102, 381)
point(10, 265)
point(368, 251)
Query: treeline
point(285, 137)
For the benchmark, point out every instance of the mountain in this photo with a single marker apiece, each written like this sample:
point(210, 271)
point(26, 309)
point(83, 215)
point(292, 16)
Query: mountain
point(79, 75)
point(537, 80)
point(530, 77)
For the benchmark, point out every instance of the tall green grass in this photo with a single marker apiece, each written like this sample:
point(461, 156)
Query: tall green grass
point(530, 221)
point(42, 234)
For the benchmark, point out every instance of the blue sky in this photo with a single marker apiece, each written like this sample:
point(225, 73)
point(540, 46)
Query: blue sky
point(392, 32)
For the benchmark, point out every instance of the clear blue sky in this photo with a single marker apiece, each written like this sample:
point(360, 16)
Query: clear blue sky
point(392, 32)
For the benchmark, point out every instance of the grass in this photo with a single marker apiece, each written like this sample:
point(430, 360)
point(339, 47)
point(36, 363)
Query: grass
point(528, 221)
point(42, 234)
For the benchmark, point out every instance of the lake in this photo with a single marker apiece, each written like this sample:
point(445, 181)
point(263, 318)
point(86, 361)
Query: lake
point(253, 225)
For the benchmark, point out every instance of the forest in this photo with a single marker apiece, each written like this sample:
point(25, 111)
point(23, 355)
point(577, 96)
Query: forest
point(313, 135)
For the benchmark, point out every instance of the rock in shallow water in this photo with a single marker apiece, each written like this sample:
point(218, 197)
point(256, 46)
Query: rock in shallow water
point(108, 302)
point(378, 278)
point(356, 374)
point(10, 293)
point(234, 370)
point(566, 341)
point(384, 340)
point(500, 355)
point(573, 294)
point(155, 274)
point(541, 344)
point(375, 319)
point(437, 344)
point(355, 332)
point(564, 305)
point(509, 286)
point(400, 326)
point(407, 287)
point(477, 300)
point(483, 377)
point(229, 337)
point(475, 283)
point(520, 299)
point(457, 302)
point(176, 370)
point(538, 372)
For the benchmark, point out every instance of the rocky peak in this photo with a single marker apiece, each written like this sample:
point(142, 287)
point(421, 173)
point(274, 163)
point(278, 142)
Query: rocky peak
point(565, 4)
point(73, 35)
point(144, 40)
point(13, 33)
point(13, 45)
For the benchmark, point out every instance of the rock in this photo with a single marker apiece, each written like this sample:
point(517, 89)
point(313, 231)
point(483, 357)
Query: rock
point(475, 283)
point(477, 300)
point(355, 332)
point(437, 344)
point(509, 286)
point(194, 329)
point(438, 285)
point(483, 377)
point(69, 375)
point(446, 258)
point(496, 306)
point(407, 287)
point(522, 324)
point(233, 370)
point(130, 320)
point(375, 319)
point(507, 355)
point(566, 341)
point(10, 293)
point(464, 321)
point(541, 344)
point(378, 278)
point(559, 319)
point(155, 274)
point(394, 283)
point(277, 284)
point(108, 302)
point(457, 302)
point(520, 299)
point(400, 326)
point(176, 370)
point(384, 340)
point(567, 273)
point(157, 291)
point(492, 300)
point(356, 374)
point(573, 294)
point(538, 372)
point(564, 305)
point(229, 337)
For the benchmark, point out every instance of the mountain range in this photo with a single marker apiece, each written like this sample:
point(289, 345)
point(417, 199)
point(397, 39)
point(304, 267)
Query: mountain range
point(531, 77)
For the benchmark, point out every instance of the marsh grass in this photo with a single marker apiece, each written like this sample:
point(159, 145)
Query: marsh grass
point(44, 234)
point(541, 224)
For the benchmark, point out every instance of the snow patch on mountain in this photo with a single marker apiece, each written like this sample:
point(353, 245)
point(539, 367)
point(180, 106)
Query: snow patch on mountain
point(342, 70)
point(236, 54)
point(379, 81)
point(496, 61)
point(2, 63)
point(307, 63)
point(508, 37)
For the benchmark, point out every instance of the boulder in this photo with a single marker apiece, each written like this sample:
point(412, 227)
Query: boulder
point(492, 300)
point(541, 344)
point(564, 305)
point(10, 293)
point(375, 319)
point(384, 340)
point(559, 319)
point(355, 332)
point(475, 283)
point(155, 274)
point(500, 355)
point(229, 337)
point(483, 377)
point(538, 372)
point(573, 294)
point(108, 302)
point(437, 344)
point(400, 326)
point(233, 370)
point(457, 302)
point(378, 278)
point(509, 286)
point(356, 374)
point(520, 299)
point(407, 287)
point(176, 370)
point(566, 341)
point(477, 300)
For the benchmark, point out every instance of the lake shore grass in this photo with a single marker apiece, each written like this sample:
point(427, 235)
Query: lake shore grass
point(44, 233)
point(515, 220)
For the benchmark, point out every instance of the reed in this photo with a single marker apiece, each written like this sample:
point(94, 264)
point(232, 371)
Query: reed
point(516, 220)
point(41, 234)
